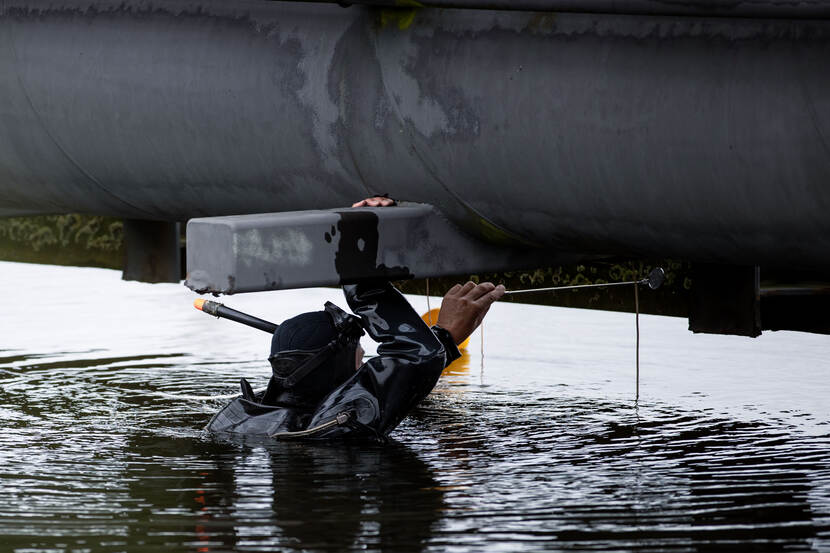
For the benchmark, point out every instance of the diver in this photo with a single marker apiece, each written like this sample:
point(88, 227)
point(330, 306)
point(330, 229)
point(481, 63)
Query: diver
point(321, 389)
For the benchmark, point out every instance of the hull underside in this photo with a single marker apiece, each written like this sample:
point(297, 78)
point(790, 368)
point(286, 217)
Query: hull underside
point(699, 138)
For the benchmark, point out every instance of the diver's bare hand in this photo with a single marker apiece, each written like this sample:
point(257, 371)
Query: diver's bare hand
point(464, 307)
point(375, 201)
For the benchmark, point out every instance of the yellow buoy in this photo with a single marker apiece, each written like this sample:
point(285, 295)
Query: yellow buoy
point(431, 318)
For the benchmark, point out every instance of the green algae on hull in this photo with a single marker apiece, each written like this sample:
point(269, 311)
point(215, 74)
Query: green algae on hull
point(79, 240)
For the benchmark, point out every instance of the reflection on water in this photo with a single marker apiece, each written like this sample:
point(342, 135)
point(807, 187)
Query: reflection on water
point(103, 448)
point(261, 497)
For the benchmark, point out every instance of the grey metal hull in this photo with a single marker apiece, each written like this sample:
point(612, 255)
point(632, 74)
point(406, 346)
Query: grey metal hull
point(705, 139)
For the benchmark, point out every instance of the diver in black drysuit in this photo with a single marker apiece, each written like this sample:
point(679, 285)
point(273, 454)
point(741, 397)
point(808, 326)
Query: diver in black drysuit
point(315, 391)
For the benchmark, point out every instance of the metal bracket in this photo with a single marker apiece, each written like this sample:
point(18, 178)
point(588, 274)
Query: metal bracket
point(273, 251)
point(725, 299)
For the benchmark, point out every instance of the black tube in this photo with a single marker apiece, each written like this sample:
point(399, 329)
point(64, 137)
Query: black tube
point(223, 312)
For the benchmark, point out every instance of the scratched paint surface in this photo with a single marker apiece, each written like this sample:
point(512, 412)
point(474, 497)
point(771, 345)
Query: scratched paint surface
point(107, 385)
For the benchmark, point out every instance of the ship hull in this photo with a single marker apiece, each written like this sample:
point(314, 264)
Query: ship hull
point(705, 139)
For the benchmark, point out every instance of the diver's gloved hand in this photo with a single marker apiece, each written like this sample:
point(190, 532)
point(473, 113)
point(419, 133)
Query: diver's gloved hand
point(464, 307)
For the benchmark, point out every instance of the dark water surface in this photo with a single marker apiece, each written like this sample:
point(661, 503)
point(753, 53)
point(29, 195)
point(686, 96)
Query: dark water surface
point(107, 385)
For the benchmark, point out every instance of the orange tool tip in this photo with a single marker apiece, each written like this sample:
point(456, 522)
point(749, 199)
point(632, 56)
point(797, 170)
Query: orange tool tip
point(199, 303)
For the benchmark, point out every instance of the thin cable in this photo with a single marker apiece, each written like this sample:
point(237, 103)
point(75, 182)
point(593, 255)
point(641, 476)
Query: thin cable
point(339, 420)
point(637, 323)
point(482, 349)
point(602, 285)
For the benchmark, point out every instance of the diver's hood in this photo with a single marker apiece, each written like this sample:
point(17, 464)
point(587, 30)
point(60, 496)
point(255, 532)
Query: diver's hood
point(330, 365)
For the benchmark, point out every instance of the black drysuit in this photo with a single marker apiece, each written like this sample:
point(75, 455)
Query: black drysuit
point(374, 400)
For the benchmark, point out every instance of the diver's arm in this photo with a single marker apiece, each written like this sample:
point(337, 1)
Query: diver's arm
point(409, 362)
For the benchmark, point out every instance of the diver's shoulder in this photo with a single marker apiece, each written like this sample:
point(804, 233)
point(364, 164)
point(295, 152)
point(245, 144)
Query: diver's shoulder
point(241, 416)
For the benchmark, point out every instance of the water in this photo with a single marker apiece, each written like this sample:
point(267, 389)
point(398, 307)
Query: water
point(107, 386)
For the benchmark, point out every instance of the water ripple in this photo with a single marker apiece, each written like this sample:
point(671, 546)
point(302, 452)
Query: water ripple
point(104, 448)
